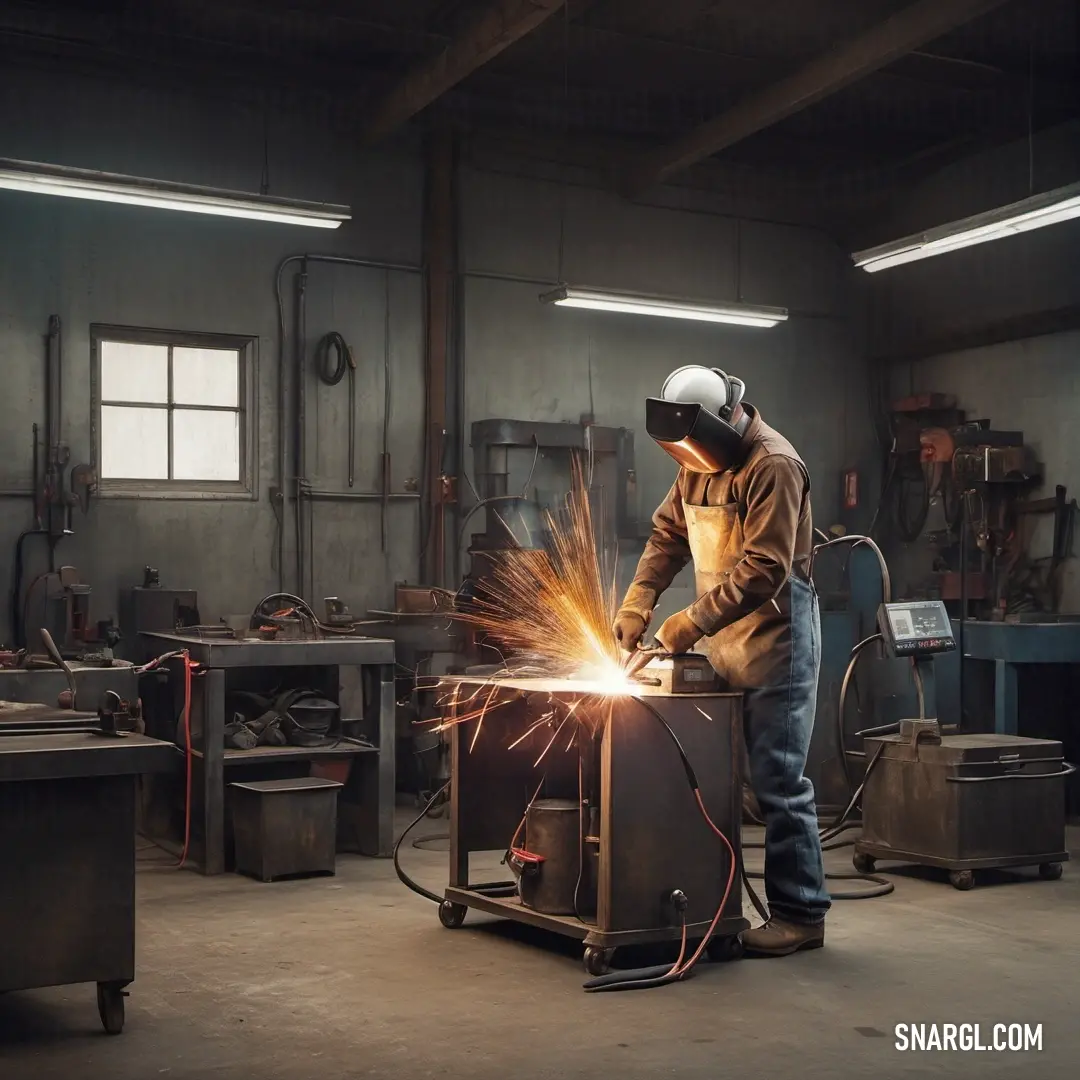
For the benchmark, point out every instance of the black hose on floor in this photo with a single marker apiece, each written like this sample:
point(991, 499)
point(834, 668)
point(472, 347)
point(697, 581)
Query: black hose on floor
point(494, 888)
point(420, 841)
point(828, 836)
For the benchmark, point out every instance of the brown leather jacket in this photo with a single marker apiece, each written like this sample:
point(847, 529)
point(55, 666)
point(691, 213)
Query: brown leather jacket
point(749, 530)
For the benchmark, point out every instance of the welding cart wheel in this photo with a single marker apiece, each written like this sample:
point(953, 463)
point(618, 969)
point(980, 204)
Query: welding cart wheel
point(597, 961)
point(1050, 871)
point(452, 915)
point(864, 864)
point(110, 1006)
point(962, 879)
point(723, 949)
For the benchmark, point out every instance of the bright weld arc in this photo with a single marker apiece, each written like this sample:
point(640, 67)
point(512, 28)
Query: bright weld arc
point(553, 609)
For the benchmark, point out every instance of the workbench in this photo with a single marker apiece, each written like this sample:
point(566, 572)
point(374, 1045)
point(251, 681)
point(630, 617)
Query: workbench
point(67, 847)
point(357, 672)
point(45, 685)
point(651, 837)
point(1051, 640)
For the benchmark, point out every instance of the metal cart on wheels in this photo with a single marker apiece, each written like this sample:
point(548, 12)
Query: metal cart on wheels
point(641, 833)
point(67, 844)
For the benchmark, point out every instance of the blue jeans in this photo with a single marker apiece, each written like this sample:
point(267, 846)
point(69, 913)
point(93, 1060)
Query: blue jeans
point(778, 721)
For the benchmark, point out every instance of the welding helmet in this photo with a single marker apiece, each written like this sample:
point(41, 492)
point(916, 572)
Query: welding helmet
point(692, 418)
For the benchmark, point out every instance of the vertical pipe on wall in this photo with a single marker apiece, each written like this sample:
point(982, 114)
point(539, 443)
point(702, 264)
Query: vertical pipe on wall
point(282, 494)
point(301, 419)
point(438, 262)
point(457, 428)
point(297, 363)
point(964, 525)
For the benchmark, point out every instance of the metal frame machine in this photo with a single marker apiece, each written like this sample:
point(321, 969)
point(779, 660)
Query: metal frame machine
point(963, 802)
point(610, 836)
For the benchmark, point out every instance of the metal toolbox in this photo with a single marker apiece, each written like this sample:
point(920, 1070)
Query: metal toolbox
point(963, 802)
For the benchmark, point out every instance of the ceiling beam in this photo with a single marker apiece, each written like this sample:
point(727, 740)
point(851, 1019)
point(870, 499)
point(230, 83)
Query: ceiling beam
point(907, 30)
point(497, 27)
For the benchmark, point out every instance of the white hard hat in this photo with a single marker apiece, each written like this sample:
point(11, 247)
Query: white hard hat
point(710, 387)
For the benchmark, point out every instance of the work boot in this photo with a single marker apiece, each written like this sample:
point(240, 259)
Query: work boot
point(778, 937)
point(751, 811)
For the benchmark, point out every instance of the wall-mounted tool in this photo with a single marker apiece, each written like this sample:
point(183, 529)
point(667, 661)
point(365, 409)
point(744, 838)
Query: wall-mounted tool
point(53, 498)
point(333, 359)
point(56, 499)
point(67, 618)
point(83, 482)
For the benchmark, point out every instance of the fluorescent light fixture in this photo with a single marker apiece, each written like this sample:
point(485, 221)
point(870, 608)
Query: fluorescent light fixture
point(664, 306)
point(72, 183)
point(1061, 204)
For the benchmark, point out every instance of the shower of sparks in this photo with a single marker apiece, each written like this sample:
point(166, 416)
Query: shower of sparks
point(552, 608)
point(546, 718)
point(550, 611)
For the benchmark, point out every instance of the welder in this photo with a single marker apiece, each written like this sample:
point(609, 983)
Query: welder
point(740, 507)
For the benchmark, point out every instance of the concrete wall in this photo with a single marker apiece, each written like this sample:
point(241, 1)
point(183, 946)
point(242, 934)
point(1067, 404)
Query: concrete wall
point(1030, 384)
point(530, 360)
point(94, 263)
point(90, 262)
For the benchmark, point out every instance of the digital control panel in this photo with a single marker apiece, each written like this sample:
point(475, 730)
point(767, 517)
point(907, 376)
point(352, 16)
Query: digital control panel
point(916, 628)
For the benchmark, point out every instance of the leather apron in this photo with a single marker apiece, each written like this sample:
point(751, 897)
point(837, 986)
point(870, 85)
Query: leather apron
point(754, 651)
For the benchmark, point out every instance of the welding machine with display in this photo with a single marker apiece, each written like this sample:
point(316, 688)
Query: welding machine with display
point(959, 802)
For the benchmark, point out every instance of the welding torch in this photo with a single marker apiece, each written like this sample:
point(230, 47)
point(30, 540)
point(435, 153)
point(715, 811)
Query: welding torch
point(642, 656)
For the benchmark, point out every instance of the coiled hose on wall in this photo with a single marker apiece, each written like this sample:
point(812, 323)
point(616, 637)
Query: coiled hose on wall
point(332, 347)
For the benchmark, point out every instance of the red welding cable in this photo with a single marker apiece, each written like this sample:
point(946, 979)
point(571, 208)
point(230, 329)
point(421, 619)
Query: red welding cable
point(521, 823)
point(185, 656)
point(682, 972)
point(680, 969)
point(682, 953)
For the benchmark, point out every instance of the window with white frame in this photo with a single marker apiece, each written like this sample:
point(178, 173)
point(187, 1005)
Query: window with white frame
point(172, 412)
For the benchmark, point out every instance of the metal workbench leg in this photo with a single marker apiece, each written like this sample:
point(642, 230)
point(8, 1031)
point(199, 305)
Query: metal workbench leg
point(459, 848)
point(373, 826)
point(213, 771)
point(386, 785)
point(1006, 701)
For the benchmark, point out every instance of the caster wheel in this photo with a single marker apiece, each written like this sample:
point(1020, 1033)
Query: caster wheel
point(110, 1004)
point(597, 961)
point(1050, 871)
point(962, 879)
point(864, 863)
point(721, 950)
point(451, 915)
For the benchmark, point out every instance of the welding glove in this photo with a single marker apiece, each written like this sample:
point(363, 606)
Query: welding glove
point(628, 628)
point(679, 634)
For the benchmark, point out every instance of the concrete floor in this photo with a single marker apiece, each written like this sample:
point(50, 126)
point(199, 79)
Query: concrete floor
point(353, 976)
